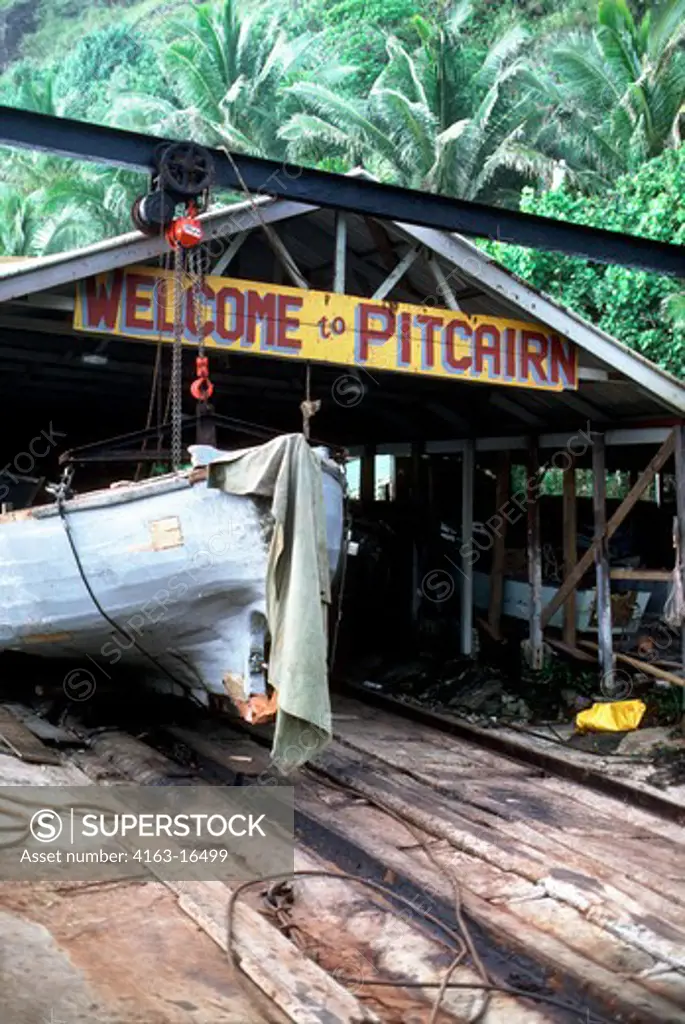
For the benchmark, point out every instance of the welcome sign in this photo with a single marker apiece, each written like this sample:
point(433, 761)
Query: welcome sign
point(273, 320)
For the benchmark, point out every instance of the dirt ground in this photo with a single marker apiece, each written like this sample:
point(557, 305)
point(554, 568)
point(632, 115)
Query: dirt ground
point(122, 954)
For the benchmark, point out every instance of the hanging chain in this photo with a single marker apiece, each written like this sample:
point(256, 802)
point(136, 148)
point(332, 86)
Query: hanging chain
point(198, 295)
point(177, 363)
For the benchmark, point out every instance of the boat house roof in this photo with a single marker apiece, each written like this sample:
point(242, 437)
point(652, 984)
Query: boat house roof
point(97, 385)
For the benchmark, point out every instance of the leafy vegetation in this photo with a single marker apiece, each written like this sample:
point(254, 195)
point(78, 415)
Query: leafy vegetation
point(644, 310)
point(574, 111)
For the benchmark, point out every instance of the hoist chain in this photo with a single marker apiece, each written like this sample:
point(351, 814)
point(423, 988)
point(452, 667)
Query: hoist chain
point(195, 256)
point(177, 363)
point(202, 388)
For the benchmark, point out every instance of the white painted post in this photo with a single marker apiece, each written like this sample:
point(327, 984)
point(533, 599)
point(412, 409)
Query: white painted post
point(340, 253)
point(604, 634)
point(467, 480)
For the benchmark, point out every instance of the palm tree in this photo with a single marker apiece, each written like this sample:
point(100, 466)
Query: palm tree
point(48, 203)
point(224, 70)
point(613, 98)
point(76, 208)
point(431, 119)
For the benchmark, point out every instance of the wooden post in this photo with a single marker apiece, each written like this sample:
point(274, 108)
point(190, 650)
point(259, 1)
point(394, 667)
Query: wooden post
point(680, 512)
point(467, 481)
point(534, 557)
point(585, 561)
point(502, 489)
point(570, 549)
point(367, 475)
point(605, 640)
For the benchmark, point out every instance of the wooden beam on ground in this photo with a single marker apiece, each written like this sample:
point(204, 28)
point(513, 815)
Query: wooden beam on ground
point(581, 567)
point(571, 652)
point(20, 741)
point(534, 557)
point(603, 589)
point(648, 667)
point(502, 489)
point(570, 528)
point(300, 990)
point(467, 482)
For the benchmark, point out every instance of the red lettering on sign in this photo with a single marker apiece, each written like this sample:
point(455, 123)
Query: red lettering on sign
point(428, 324)
point(562, 361)
point(260, 308)
point(365, 335)
point(286, 323)
point(487, 346)
point(534, 346)
point(138, 301)
point(460, 328)
point(103, 295)
point(236, 301)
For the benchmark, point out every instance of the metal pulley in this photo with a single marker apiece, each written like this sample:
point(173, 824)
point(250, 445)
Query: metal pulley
point(183, 173)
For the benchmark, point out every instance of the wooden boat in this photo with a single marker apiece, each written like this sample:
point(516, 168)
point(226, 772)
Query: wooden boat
point(168, 574)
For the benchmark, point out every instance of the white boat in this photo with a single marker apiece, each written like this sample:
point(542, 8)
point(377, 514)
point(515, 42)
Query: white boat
point(178, 566)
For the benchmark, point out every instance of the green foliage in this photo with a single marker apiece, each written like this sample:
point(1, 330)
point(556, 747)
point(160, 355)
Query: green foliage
point(221, 79)
point(86, 75)
point(613, 97)
point(435, 118)
point(626, 303)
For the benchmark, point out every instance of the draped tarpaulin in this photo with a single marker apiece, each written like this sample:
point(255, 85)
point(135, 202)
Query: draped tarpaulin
point(298, 592)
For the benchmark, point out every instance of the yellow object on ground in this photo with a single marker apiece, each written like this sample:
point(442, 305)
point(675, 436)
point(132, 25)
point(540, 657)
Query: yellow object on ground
point(616, 716)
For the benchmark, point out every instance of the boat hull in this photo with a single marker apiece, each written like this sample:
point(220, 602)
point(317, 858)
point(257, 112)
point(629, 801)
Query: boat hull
point(181, 567)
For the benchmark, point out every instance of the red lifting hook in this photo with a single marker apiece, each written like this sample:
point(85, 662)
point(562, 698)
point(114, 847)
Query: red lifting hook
point(202, 388)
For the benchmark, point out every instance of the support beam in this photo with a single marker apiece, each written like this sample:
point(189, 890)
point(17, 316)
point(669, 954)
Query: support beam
point(601, 549)
point(467, 481)
point(282, 253)
point(570, 528)
point(226, 257)
point(444, 287)
point(397, 274)
point(534, 558)
point(572, 580)
point(340, 253)
point(136, 151)
point(516, 410)
point(102, 257)
point(492, 279)
point(502, 489)
point(619, 437)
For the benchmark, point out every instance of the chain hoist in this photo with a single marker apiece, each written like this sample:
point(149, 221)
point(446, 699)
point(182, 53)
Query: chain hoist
point(182, 175)
point(202, 388)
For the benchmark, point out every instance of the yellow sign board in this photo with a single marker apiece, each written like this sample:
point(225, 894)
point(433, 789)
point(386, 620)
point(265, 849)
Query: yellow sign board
point(247, 316)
